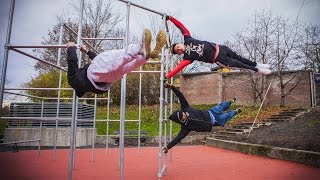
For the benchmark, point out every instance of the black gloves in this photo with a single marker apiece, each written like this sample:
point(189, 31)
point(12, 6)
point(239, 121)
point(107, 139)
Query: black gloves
point(165, 149)
point(164, 80)
point(166, 17)
point(166, 85)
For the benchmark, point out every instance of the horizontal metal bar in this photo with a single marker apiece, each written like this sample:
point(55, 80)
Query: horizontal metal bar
point(78, 98)
point(103, 38)
point(26, 95)
point(75, 33)
point(40, 89)
point(114, 120)
point(133, 4)
point(61, 119)
point(37, 46)
point(38, 59)
point(145, 72)
point(17, 142)
point(37, 118)
point(153, 62)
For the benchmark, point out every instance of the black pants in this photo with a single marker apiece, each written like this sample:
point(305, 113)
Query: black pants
point(77, 77)
point(231, 59)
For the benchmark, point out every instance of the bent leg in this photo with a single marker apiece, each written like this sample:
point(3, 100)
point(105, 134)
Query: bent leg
point(72, 60)
point(223, 118)
point(218, 109)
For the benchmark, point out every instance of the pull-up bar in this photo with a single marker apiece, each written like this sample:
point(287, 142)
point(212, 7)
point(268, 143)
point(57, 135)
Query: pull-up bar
point(136, 5)
point(31, 56)
point(42, 89)
point(37, 46)
point(103, 38)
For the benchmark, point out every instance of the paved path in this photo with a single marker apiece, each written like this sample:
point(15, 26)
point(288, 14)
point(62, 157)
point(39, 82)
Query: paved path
point(189, 162)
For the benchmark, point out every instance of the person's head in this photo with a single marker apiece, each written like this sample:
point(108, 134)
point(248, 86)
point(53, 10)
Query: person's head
point(179, 116)
point(178, 48)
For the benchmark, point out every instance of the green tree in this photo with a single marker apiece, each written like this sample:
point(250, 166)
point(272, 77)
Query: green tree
point(49, 80)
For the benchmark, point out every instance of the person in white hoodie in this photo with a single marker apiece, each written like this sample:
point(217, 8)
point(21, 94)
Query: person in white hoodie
point(107, 67)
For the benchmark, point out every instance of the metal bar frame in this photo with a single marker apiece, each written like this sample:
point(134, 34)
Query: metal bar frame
point(38, 59)
point(6, 54)
point(94, 127)
point(102, 38)
point(36, 46)
point(59, 94)
point(40, 128)
point(142, 7)
point(73, 134)
point(71, 30)
point(74, 119)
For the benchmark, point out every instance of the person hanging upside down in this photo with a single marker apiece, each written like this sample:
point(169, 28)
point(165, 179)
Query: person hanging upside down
point(198, 120)
point(194, 49)
point(107, 67)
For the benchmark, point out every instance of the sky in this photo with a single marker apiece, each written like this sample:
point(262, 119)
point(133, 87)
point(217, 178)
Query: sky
point(211, 20)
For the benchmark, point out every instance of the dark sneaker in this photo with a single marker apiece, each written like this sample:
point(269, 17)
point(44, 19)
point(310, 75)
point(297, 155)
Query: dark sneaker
point(233, 100)
point(238, 110)
point(160, 42)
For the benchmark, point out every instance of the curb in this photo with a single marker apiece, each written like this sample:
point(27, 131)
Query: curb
point(300, 156)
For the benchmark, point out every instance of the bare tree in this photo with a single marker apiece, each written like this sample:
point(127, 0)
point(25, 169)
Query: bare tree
point(99, 20)
point(285, 52)
point(255, 43)
point(273, 40)
point(310, 47)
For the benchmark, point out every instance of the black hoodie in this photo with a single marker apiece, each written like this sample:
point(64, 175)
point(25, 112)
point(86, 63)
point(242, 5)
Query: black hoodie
point(197, 120)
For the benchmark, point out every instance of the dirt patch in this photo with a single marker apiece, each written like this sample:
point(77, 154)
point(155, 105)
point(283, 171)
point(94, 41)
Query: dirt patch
point(302, 133)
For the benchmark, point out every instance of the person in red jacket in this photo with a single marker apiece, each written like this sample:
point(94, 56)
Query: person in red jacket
point(194, 49)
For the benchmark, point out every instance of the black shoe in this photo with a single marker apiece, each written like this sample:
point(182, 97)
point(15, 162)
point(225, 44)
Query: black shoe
point(238, 110)
point(233, 100)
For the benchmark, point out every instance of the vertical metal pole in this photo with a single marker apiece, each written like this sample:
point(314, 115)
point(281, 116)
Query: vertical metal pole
point(40, 130)
point(74, 103)
point(6, 54)
point(108, 118)
point(77, 104)
point(171, 102)
point(166, 54)
point(139, 125)
point(59, 94)
point(94, 126)
point(123, 102)
point(160, 118)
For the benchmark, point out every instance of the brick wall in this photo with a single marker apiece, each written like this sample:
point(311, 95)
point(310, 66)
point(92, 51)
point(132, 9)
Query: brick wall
point(213, 87)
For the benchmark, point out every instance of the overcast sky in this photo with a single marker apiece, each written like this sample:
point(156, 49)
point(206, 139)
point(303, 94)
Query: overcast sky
point(212, 20)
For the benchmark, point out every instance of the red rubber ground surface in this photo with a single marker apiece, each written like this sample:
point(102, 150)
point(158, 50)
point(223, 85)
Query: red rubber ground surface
point(189, 162)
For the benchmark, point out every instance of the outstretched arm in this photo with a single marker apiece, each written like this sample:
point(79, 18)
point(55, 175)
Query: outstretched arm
point(184, 30)
point(180, 66)
point(183, 101)
point(182, 134)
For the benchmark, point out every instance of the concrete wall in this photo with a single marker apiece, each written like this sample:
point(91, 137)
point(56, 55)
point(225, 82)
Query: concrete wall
point(84, 136)
point(212, 88)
